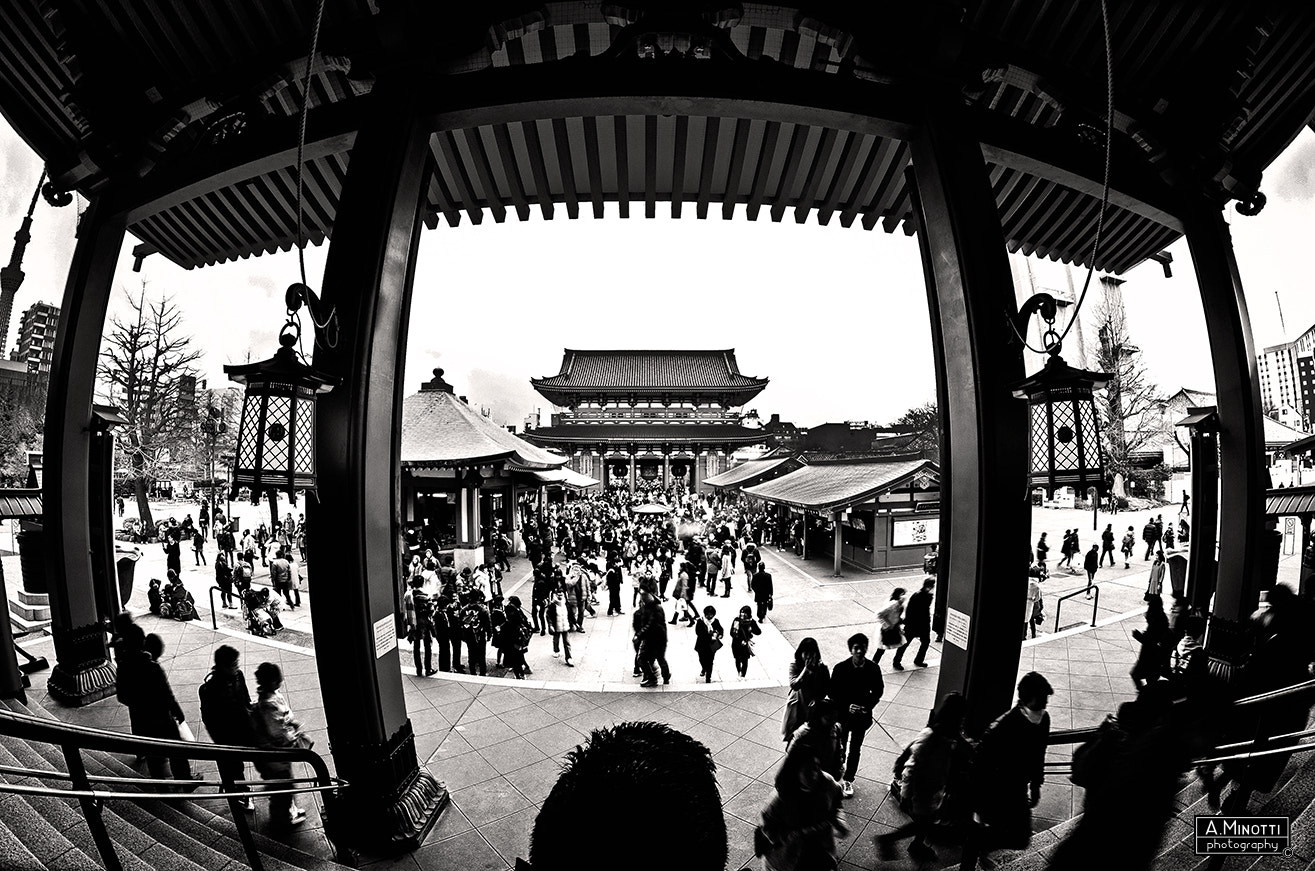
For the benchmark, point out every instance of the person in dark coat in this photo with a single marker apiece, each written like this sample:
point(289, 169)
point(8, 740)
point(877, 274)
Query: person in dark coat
point(153, 712)
point(1151, 535)
point(1091, 563)
point(809, 680)
point(651, 636)
point(1008, 770)
point(515, 638)
point(706, 631)
point(855, 688)
point(1130, 772)
point(917, 624)
point(226, 713)
point(763, 589)
point(614, 577)
point(173, 553)
point(1153, 657)
point(743, 628)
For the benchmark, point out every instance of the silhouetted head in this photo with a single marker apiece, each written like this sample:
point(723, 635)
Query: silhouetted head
point(624, 773)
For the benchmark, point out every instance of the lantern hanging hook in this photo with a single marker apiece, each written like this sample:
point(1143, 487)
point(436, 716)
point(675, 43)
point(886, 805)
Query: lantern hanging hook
point(1047, 307)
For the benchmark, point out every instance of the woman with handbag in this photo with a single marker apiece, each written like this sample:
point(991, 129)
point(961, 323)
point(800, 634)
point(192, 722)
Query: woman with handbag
point(809, 680)
point(743, 628)
point(707, 641)
point(275, 728)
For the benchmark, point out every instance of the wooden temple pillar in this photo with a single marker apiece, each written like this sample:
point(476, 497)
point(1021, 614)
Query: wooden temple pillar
point(1248, 554)
point(634, 461)
point(666, 467)
point(392, 801)
point(75, 512)
point(985, 519)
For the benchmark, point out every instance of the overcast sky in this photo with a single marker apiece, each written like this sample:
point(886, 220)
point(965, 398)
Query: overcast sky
point(835, 317)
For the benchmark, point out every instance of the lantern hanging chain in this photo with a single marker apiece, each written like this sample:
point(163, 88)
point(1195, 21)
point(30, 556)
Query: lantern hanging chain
point(1104, 193)
point(331, 339)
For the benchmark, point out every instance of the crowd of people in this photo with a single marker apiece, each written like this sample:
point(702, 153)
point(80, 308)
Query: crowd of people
point(674, 548)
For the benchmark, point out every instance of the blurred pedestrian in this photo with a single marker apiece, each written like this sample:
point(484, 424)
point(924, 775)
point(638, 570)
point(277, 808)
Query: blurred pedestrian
point(1153, 656)
point(889, 634)
point(276, 729)
point(922, 777)
point(1091, 563)
point(917, 624)
point(800, 823)
point(153, 711)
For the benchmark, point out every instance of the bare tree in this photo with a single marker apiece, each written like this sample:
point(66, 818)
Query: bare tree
point(1128, 403)
point(22, 421)
point(924, 421)
point(145, 364)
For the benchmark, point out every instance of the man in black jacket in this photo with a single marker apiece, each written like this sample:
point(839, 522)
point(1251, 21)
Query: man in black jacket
point(762, 587)
point(1008, 770)
point(917, 624)
point(226, 713)
point(856, 687)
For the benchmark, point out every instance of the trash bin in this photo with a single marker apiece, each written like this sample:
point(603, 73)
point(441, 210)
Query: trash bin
point(126, 558)
point(31, 556)
point(1177, 573)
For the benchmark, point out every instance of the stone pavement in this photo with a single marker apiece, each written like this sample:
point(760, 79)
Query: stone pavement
point(498, 744)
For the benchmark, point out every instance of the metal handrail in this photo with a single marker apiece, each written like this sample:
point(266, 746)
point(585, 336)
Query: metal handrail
point(1095, 604)
point(74, 739)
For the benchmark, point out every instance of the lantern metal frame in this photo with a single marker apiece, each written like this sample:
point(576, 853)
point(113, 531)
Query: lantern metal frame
point(276, 432)
point(1064, 448)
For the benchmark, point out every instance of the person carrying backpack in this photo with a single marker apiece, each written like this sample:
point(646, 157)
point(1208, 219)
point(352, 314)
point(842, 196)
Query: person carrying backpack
point(226, 713)
point(475, 629)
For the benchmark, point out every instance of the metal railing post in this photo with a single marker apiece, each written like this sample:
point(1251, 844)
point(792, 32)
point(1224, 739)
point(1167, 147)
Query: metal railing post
point(214, 614)
point(91, 808)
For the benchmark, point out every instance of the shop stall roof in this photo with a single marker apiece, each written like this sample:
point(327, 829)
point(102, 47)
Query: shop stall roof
point(834, 486)
point(752, 472)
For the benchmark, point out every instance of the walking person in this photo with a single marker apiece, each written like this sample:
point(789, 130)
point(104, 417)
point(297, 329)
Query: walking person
point(153, 712)
point(800, 823)
point(1151, 535)
point(726, 570)
point(707, 641)
point(651, 638)
point(1153, 656)
point(173, 557)
point(763, 589)
point(613, 580)
point(198, 547)
point(856, 687)
point(280, 577)
point(1107, 544)
point(1066, 551)
point(917, 625)
point(559, 625)
point(276, 729)
point(1091, 563)
point(516, 638)
point(921, 781)
point(889, 618)
point(1032, 613)
point(224, 580)
point(203, 520)
point(743, 628)
point(1129, 543)
point(226, 713)
point(1042, 549)
point(1007, 773)
point(809, 680)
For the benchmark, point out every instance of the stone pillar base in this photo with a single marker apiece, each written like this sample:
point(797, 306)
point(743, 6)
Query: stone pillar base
point(391, 802)
point(1227, 644)
point(467, 557)
point(82, 685)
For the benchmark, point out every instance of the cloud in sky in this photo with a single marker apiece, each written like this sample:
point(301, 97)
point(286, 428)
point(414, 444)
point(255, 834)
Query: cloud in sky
point(835, 317)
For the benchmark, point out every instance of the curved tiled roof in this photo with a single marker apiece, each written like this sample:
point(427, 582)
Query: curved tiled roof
point(709, 435)
point(621, 371)
point(752, 472)
point(839, 485)
point(441, 431)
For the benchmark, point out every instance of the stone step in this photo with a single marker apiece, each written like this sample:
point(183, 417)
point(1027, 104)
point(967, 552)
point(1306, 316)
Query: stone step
point(31, 599)
point(148, 834)
point(36, 611)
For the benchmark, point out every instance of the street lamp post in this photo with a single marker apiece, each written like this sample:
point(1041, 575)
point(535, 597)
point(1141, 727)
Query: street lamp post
point(213, 426)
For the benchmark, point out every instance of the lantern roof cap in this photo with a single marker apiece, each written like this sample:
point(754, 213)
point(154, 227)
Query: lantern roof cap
point(1058, 373)
point(285, 365)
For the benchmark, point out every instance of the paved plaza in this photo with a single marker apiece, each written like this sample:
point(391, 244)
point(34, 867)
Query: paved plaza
point(498, 743)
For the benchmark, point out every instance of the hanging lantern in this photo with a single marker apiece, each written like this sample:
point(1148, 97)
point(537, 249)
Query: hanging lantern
point(276, 436)
point(1063, 427)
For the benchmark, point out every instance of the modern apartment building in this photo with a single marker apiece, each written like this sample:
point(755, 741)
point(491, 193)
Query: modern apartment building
point(36, 336)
